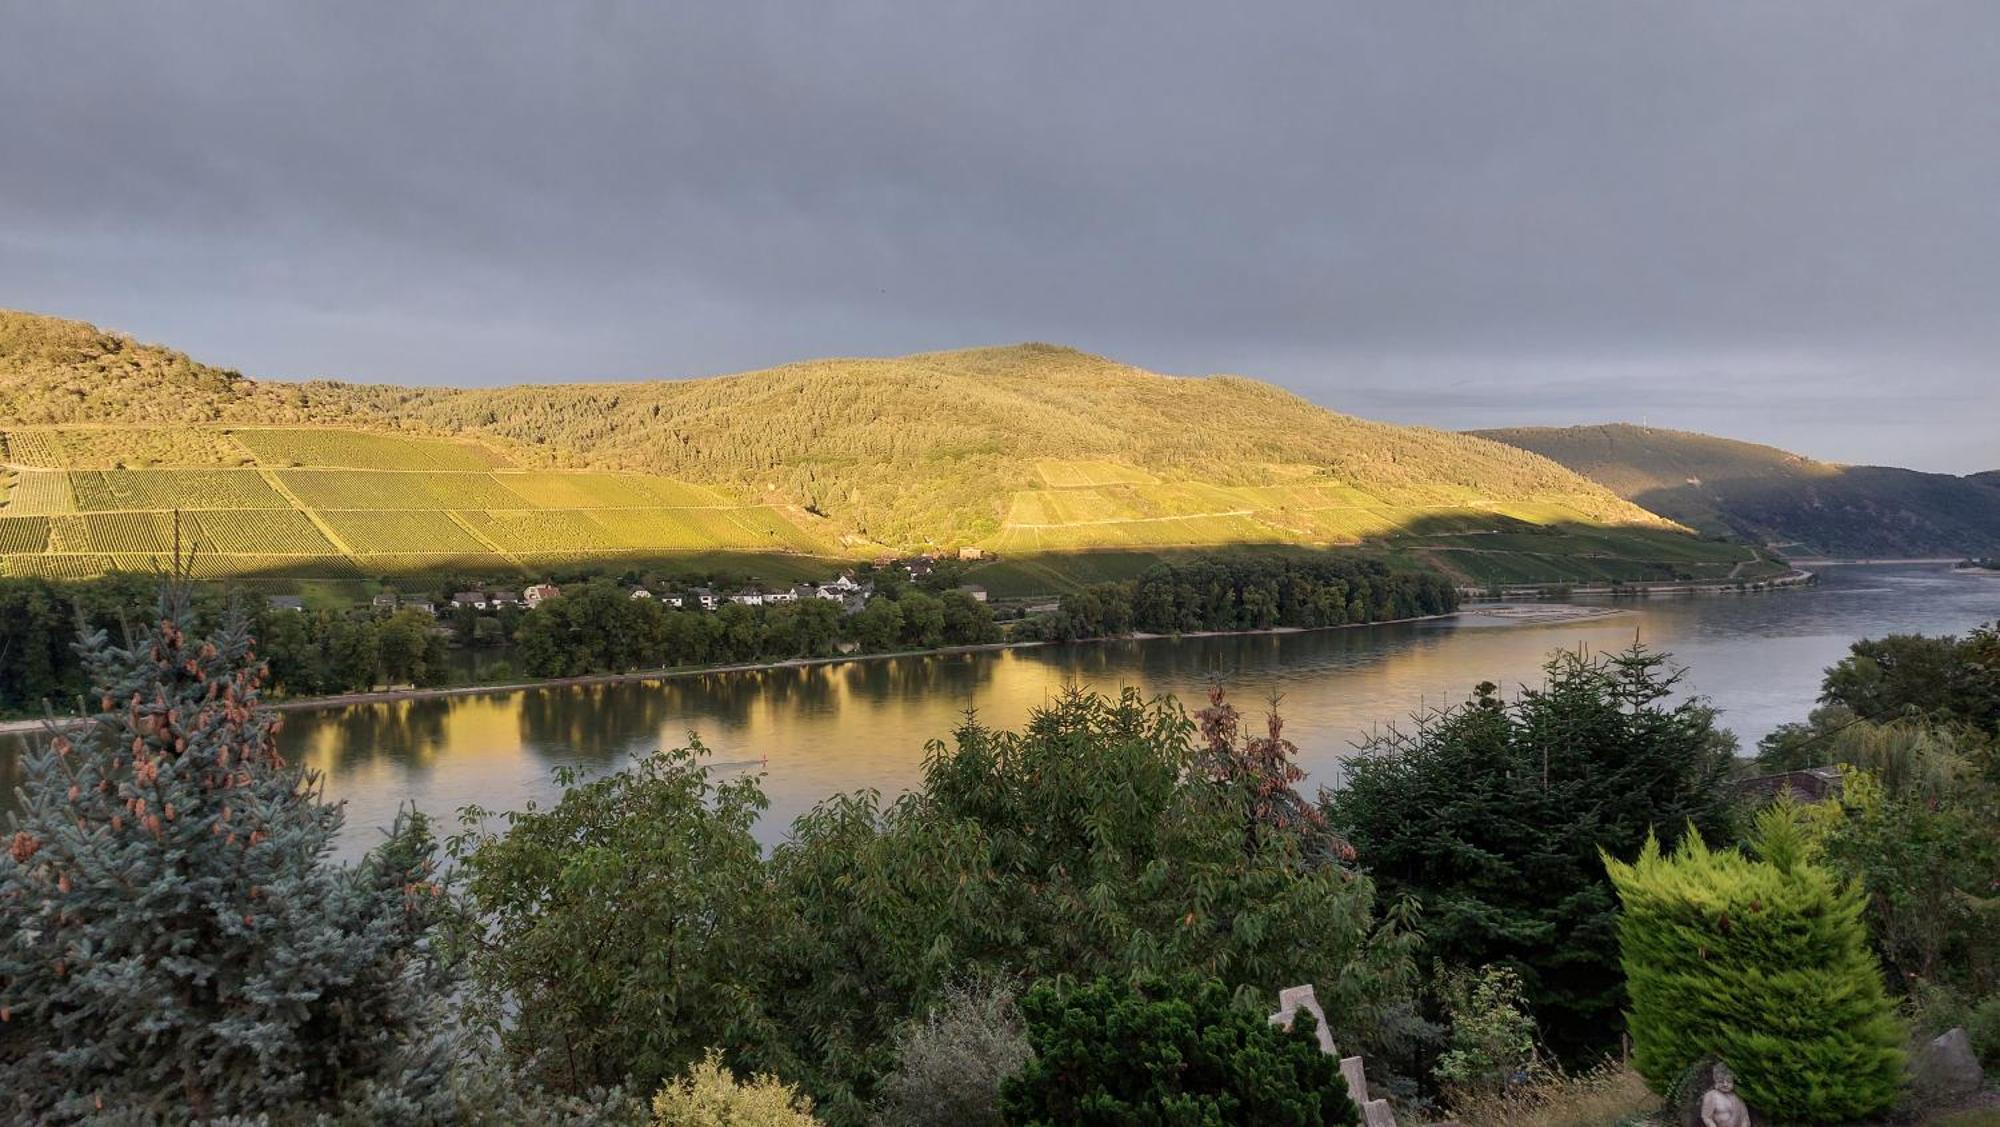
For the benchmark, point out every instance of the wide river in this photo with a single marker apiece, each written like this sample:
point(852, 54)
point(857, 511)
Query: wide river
point(816, 730)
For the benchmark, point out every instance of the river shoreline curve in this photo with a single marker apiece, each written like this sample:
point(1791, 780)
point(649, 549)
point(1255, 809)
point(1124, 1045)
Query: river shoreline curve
point(391, 696)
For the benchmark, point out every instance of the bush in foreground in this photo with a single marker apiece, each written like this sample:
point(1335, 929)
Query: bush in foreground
point(708, 1096)
point(1116, 1053)
point(951, 1062)
point(1763, 965)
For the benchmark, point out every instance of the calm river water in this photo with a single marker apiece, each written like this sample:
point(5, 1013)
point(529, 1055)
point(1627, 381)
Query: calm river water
point(817, 730)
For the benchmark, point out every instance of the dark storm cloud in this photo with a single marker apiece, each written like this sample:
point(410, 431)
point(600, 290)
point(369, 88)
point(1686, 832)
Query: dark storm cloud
point(1774, 220)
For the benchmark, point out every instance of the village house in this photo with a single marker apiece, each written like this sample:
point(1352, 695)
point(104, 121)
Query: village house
point(541, 592)
point(791, 596)
point(971, 554)
point(707, 598)
point(497, 599)
point(803, 591)
point(675, 600)
point(641, 593)
point(386, 601)
point(423, 605)
point(750, 598)
point(474, 599)
point(287, 602)
point(919, 567)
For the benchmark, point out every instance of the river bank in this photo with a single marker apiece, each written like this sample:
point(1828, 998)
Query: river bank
point(642, 676)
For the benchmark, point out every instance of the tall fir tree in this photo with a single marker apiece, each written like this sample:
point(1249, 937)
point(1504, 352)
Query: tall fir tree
point(1493, 815)
point(174, 942)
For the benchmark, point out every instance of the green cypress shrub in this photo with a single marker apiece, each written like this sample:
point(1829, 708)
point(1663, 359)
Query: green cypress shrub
point(174, 943)
point(1112, 1052)
point(1762, 964)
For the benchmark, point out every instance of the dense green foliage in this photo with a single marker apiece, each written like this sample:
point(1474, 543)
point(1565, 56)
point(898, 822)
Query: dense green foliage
point(41, 624)
point(1493, 815)
point(1172, 1054)
point(1763, 965)
point(594, 628)
point(1914, 721)
point(1946, 680)
point(1924, 853)
point(175, 943)
point(67, 371)
point(1492, 1031)
point(598, 628)
point(1767, 496)
point(1252, 593)
point(634, 924)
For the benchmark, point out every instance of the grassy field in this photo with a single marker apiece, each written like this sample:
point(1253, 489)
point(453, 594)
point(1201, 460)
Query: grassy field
point(328, 504)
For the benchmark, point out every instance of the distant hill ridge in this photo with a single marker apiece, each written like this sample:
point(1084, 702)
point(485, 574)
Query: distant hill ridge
point(1024, 450)
point(1766, 495)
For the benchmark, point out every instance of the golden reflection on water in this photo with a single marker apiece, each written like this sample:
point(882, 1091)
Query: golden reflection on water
point(816, 730)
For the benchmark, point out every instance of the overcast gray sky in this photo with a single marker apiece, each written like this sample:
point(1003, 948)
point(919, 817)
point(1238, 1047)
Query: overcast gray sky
point(1777, 221)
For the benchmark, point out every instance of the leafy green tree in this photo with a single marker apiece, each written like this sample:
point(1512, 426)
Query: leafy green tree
point(1925, 860)
point(1493, 815)
point(923, 620)
point(173, 942)
point(1946, 679)
point(967, 621)
point(879, 625)
point(404, 642)
point(352, 654)
point(1084, 844)
point(1178, 1052)
point(1763, 965)
point(291, 653)
point(628, 927)
point(1492, 1031)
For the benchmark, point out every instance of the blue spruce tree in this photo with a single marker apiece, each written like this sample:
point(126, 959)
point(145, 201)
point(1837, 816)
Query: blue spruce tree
point(175, 942)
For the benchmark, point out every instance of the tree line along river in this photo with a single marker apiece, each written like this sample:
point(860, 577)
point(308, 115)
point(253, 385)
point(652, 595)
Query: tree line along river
point(816, 730)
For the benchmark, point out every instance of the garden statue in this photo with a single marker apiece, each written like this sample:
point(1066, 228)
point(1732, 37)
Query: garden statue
point(1721, 1106)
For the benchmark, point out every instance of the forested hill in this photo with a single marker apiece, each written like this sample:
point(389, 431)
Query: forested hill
point(1070, 467)
point(1771, 496)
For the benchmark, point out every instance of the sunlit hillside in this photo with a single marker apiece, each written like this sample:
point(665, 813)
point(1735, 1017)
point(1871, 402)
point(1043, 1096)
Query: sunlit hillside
point(1767, 495)
point(1058, 462)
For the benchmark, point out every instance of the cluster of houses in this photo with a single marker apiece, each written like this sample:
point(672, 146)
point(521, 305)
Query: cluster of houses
point(844, 591)
point(847, 593)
